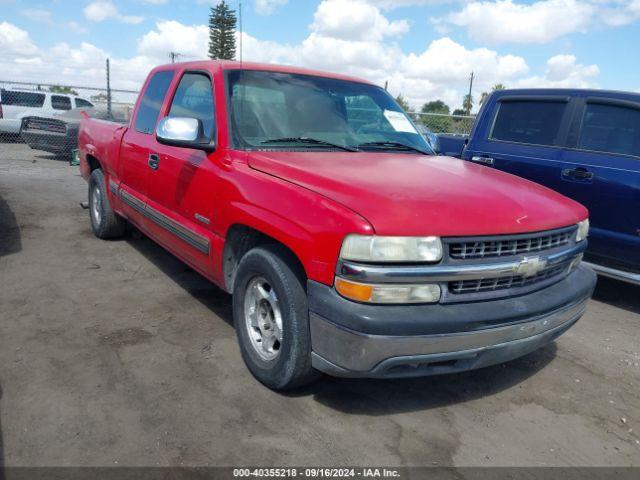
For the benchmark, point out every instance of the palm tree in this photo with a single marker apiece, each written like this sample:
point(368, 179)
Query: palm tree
point(467, 103)
point(496, 87)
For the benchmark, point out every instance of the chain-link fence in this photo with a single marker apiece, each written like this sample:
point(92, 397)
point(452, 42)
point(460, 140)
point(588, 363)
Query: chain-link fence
point(43, 119)
point(440, 123)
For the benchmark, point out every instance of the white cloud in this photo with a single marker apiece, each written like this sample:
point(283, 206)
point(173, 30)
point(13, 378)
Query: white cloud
point(621, 12)
point(448, 64)
point(103, 10)
point(100, 11)
point(267, 51)
point(563, 71)
point(506, 21)
point(392, 4)
point(171, 36)
point(15, 41)
point(355, 38)
point(268, 7)
point(37, 14)
point(354, 20)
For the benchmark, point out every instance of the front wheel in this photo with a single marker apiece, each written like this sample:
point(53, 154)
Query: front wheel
point(271, 318)
point(105, 223)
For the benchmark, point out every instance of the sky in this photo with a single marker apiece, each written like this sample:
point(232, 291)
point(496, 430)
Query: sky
point(423, 49)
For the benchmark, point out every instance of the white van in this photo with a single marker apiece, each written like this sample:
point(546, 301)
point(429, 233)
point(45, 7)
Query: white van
point(17, 104)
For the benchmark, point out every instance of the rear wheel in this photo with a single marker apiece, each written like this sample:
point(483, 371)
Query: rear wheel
point(271, 318)
point(105, 223)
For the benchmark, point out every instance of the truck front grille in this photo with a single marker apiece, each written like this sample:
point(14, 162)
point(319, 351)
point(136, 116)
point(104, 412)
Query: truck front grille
point(45, 124)
point(505, 246)
point(503, 283)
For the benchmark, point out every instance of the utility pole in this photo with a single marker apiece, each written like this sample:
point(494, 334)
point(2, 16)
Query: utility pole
point(174, 55)
point(108, 90)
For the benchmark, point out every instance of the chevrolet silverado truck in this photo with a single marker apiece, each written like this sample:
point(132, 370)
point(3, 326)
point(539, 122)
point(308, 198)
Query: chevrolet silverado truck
point(348, 246)
point(584, 144)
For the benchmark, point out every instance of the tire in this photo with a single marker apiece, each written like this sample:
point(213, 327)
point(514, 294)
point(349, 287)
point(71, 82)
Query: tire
point(270, 274)
point(105, 223)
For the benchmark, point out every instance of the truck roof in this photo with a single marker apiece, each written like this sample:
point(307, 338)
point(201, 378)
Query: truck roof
point(269, 67)
point(566, 91)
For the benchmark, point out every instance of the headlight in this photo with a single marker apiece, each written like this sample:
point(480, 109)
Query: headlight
point(583, 230)
point(371, 248)
point(388, 293)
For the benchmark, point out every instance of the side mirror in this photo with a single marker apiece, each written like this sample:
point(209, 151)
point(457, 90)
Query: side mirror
point(184, 132)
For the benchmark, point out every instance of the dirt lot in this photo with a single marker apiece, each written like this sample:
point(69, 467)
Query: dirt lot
point(117, 353)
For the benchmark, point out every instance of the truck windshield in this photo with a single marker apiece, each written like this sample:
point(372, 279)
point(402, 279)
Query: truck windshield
point(273, 110)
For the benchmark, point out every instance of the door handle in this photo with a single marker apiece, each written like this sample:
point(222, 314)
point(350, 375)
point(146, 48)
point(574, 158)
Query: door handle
point(579, 173)
point(154, 161)
point(483, 160)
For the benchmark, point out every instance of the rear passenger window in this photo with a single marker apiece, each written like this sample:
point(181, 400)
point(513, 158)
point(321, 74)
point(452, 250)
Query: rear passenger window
point(58, 102)
point(610, 128)
point(83, 103)
point(533, 122)
point(194, 99)
point(152, 101)
point(22, 99)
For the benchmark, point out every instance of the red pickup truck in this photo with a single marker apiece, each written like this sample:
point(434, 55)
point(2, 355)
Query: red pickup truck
point(349, 247)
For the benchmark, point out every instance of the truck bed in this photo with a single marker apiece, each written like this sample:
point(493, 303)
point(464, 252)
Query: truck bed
point(101, 139)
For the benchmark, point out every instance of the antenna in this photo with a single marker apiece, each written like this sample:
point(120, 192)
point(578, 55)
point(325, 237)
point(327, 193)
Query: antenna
point(242, 88)
point(240, 25)
point(174, 55)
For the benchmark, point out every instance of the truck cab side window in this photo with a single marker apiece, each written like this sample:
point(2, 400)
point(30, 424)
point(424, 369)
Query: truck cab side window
point(80, 103)
point(151, 102)
point(194, 99)
point(59, 102)
point(530, 122)
point(611, 129)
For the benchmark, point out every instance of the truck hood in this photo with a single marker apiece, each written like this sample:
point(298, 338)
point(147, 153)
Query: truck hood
point(406, 194)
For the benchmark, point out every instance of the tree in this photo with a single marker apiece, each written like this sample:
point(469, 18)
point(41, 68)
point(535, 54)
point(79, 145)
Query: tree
point(459, 112)
point(403, 103)
point(435, 106)
point(222, 32)
point(437, 119)
point(485, 95)
point(61, 89)
point(467, 103)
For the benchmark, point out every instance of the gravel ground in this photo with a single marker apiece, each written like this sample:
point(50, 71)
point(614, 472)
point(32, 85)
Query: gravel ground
point(116, 353)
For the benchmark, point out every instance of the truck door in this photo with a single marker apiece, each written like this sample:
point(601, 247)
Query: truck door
point(602, 171)
point(523, 135)
point(182, 187)
point(136, 157)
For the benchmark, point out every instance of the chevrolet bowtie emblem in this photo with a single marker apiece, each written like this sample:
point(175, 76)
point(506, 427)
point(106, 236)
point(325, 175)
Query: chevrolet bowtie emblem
point(530, 266)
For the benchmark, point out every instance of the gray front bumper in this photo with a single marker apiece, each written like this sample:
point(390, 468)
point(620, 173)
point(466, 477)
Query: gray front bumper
point(342, 351)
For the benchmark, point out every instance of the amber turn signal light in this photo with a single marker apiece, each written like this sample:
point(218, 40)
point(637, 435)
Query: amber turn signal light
point(354, 291)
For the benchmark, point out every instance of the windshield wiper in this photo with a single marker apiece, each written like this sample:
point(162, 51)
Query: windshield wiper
point(311, 141)
point(393, 145)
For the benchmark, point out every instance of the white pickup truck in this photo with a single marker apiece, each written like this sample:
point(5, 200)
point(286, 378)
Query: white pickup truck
point(17, 104)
